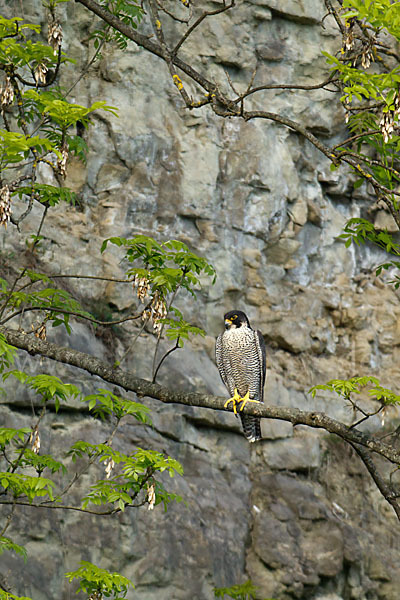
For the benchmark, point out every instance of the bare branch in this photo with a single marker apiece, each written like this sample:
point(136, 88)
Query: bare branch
point(260, 114)
point(112, 511)
point(286, 86)
point(386, 491)
point(203, 16)
point(55, 309)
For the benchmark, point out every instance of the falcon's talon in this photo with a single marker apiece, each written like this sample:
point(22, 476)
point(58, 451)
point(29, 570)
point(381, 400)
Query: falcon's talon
point(235, 400)
point(245, 400)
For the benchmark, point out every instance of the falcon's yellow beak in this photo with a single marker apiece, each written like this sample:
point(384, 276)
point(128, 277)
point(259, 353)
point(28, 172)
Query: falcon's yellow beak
point(228, 322)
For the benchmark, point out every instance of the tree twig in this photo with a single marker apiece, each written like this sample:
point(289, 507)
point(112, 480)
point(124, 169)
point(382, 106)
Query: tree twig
point(382, 486)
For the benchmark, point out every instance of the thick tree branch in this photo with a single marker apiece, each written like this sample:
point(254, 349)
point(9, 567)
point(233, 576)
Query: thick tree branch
point(142, 388)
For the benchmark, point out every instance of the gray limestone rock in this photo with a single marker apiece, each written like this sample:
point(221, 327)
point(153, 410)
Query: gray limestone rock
point(296, 513)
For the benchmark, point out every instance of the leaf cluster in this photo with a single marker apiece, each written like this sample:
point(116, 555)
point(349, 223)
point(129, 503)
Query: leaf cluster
point(360, 231)
point(17, 50)
point(25, 486)
point(244, 591)
point(15, 146)
point(40, 462)
point(53, 304)
point(95, 579)
point(9, 435)
point(7, 544)
point(48, 194)
point(345, 387)
point(7, 352)
point(49, 387)
point(8, 596)
point(381, 14)
point(104, 403)
point(128, 11)
point(60, 112)
point(133, 473)
point(179, 329)
point(167, 265)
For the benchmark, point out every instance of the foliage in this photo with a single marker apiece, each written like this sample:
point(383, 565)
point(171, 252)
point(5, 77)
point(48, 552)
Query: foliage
point(8, 596)
point(244, 591)
point(94, 579)
point(131, 480)
point(179, 329)
point(105, 403)
point(359, 231)
point(7, 544)
point(130, 13)
point(49, 387)
point(17, 49)
point(7, 353)
point(15, 147)
point(8, 435)
point(354, 385)
point(48, 194)
point(164, 268)
point(52, 304)
point(136, 471)
point(379, 13)
point(370, 76)
point(25, 486)
point(167, 265)
point(40, 106)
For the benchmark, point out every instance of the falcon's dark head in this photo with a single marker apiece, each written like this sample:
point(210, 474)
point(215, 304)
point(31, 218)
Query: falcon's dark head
point(236, 318)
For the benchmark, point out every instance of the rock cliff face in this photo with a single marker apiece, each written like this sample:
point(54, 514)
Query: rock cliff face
point(296, 512)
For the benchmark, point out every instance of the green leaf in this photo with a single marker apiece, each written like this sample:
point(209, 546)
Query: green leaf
point(7, 544)
point(244, 591)
point(8, 596)
point(106, 403)
point(7, 353)
point(95, 579)
point(20, 486)
point(9, 435)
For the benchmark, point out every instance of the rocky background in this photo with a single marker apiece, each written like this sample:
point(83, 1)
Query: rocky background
point(296, 513)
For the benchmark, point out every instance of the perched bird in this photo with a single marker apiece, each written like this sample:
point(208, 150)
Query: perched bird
point(241, 361)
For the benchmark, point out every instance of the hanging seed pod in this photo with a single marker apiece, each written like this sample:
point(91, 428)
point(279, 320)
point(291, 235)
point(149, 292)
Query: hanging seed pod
point(387, 125)
point(109, 465)
point(159, 311)
point(151, 496)
point(54, 34)
point(62, 162)
point(40, 73)
point(6, 93)
point(5, 205)
point(143, 285)
point(35, 441)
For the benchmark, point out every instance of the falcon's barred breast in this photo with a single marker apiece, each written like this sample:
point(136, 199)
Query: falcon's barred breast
point(241, 361)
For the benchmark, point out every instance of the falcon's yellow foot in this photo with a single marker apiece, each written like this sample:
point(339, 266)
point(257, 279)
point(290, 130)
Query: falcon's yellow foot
point(246, 399)
point(235, 400)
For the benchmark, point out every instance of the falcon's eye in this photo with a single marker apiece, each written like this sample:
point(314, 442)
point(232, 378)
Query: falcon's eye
point(234, 317)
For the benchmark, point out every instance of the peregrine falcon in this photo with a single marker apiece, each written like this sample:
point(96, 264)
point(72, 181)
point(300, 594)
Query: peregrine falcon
point(241, 361)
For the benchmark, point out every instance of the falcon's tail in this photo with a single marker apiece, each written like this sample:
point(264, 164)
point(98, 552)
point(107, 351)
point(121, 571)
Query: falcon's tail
point(251, 427)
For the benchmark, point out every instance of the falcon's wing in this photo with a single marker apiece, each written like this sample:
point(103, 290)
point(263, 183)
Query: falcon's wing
point(219, 359)
point(262, 357)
